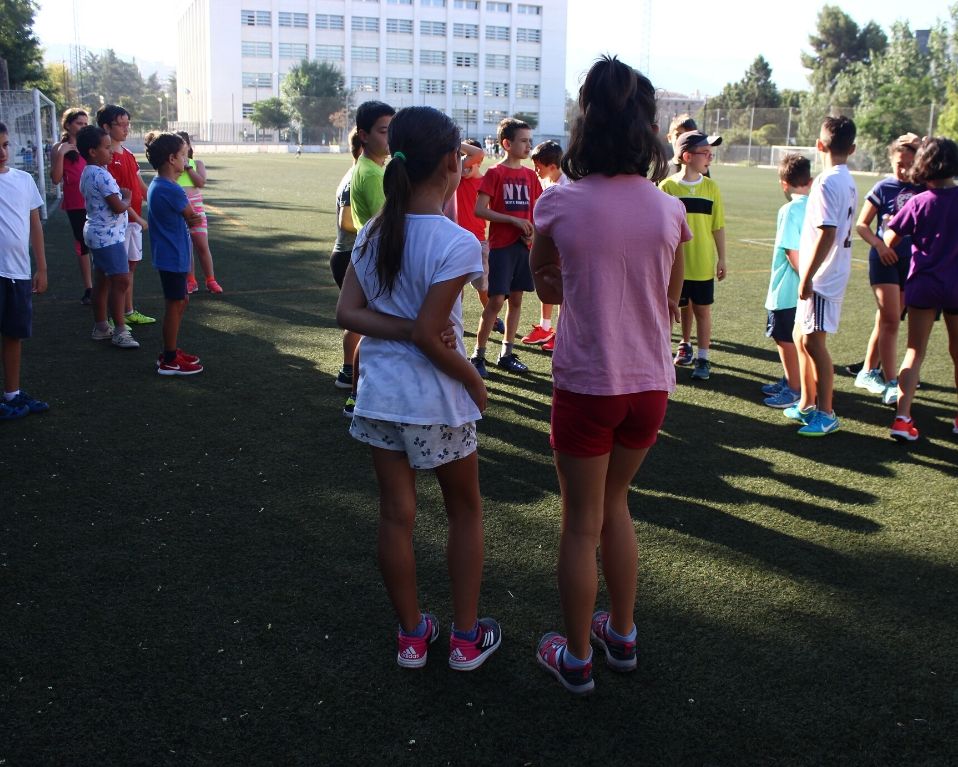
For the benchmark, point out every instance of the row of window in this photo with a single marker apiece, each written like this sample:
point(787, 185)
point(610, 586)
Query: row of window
point(429, 28)
point(462, 116)
point(404, 85)
point(301, 20)
point(460, 60)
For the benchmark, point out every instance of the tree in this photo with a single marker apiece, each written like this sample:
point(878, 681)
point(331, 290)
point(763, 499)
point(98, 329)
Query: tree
point(531, 119)
point(110, 80)
point(755, 89)
point(19, 45)
point(312, 91)
point(838, 44)
point(270, 114)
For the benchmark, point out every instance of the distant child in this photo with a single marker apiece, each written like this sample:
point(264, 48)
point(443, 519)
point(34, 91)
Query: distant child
point(124, 167)
point(507, 197)
point(546, 158)
point(682, 123)
point(932, 285)
point(824, 264)
point(193, 179)
point(419, 398)
point(705, 254)
point(887, 268)
point(20, 231)
point(67, 167)
point(169, 213)
point(105, 234)
point(795, 177)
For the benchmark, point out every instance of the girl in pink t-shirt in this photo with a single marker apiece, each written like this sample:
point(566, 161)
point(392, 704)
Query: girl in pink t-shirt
point(617, 269)
point(67, 166)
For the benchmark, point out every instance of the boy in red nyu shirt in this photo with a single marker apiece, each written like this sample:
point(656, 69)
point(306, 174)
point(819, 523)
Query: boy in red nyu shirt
point(506, 198)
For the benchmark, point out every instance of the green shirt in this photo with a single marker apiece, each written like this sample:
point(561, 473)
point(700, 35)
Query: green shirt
point(705, 214)
point(366, 196)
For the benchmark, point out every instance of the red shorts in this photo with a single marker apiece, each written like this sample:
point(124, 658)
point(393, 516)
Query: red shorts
point(587, 425)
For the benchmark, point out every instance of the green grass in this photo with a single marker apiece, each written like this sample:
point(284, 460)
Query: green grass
point(187, 567)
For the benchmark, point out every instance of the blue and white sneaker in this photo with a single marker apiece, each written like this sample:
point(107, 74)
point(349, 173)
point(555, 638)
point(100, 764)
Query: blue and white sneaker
point(890, 395)
point(795, 413)
point(871, 380)
point(784, 398)
point(549, 654)
point(819, 424)
point(25, 400)
point(775, 388)
point(9, 411)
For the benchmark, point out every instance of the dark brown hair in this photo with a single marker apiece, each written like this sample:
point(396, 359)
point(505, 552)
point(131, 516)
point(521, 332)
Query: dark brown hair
point(937, 160)
point(160, 148)
point(547, 153)
point(508, 127)
point(838, 134)
point(795, 170)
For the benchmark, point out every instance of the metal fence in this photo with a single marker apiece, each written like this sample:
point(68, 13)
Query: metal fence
point(31, 120)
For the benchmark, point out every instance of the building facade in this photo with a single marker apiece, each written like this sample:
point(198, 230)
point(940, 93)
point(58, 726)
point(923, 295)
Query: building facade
point(476, 60)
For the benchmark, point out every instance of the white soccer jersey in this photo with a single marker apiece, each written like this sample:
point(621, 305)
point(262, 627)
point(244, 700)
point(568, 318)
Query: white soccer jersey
point(832, 202)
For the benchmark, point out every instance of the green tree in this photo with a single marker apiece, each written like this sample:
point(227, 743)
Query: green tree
point(270, 114)
point(312, 91)
point(108, 78)
point(838, 44)
point(19, 45)
point(755, 89)
point(530, 118)
point(948, 119)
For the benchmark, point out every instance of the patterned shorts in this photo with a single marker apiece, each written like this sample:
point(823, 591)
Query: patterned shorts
point(426, 446)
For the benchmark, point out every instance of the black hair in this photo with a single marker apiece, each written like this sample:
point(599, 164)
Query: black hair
point(615, 131)
point(369, 112)
point(355, 144)
point(547, 153)
point(795, 170)
point(88, 139)
point(937, 160)
point(108, 114)
point(186, 138)
point(508, 127)
point(69, 115)
point(161, 146)
point(472, 142)
point(838, 134)
point(3, 128)
point(422, 136)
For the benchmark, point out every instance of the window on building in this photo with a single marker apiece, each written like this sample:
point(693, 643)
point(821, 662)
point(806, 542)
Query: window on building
point(496, 89)
point(398, 85)
point(330, 53)
point(497, 61)
point(399, 2)
point(467, 5)
point(466, 31)
point(362, 53)
point(366, 84)
point(527, 91)
point(432, 28)
point(530, 10)
point(494, 116)
point(433, 3)
point(399, 55)
point(527, 63)
point(247, 110)
point(365, 24)
point(465, 87)
point(295, 20)
point(527, 35)
point(465, 60)
point(256, 80)
point(329, 21)
point(255, 18)
point(436, 87)
point(399, 26)
point(293, 50)
point(497, 33)
point(432, 58)
point(498, 7)
point(256, 50)
point(465, 117)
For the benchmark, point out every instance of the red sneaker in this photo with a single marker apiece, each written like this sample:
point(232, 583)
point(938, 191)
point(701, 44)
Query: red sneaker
point(904, 431)
point(181, 356)
point(191, 285)
point(538, 335)
point(550, 345)
point(213, 286)
point(178, 368)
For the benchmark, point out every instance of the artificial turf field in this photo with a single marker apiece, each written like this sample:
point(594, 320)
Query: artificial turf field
point(187, 566)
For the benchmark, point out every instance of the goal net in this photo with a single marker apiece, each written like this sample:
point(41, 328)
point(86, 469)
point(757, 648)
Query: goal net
point(778, 152)
point(31, 120)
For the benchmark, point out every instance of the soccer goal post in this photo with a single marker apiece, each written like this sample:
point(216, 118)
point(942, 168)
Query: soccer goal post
point(31, 120)
point(778, 152)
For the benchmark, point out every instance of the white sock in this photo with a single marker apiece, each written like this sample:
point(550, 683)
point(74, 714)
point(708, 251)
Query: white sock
point(545, 324)
point(703, 354)
point(9, 395)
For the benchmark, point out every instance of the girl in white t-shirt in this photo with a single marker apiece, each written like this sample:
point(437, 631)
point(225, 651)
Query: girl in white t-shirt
point(419, 396)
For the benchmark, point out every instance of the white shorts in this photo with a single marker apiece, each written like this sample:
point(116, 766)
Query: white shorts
point(818, 314)
point(425, 446)
point(134, 242)
point(482, 283)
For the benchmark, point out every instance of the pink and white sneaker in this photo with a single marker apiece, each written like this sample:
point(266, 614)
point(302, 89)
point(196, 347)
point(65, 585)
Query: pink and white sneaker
point(466, 655)
point(412, 649)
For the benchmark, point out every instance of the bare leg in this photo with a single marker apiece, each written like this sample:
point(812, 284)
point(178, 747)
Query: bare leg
point(201, 251)
point(806, 370)
point(120, 291)
point(86, 270)
point(350, 342)
point(920, 323)
point(513, 310)
point(703, 325)
point(128, 299)
point(545, 312)
point(887, 320)
point(872, 360)
point(101, 292)
point(788, 354)
point(821, 363)
point(11, 363)
point(687, 323)
point(171, 323)
point(488, 319)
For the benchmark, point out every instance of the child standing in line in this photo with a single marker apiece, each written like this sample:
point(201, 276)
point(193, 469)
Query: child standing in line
point(507, 196)
point(67, 167)
point(20, 231)
point(705, 255)
point(105, 234)
point(682, 123)
point(169, 212)
point(606, 266)
point(123, 166)
point(795, 176)
point(824, 264)
point(193, 179)
point(418, 398)
point(932, 285)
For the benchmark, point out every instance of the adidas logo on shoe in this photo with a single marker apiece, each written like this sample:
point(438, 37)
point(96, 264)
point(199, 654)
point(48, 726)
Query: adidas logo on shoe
point(409, 653)
point(456, 655)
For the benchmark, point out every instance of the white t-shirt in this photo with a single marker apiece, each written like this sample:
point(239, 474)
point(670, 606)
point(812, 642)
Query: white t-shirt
point(832, 201)
point(397, 382)
point(103, 227)
point(19, 197)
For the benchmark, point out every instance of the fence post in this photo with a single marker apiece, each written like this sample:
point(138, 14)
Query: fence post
point(38, 154)
point(788, 130)
point(931, 120)
point(751, 127)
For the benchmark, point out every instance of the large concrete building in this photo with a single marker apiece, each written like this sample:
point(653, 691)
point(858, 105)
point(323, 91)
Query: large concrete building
point(477, 60)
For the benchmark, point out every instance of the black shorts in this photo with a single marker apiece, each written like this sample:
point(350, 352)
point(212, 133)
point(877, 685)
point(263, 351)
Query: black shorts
point(77, 220)
point(894, 274)
point(174, 285)
point(780, 324)
point(699, 292)
point(16, 308)
point(338, 263)
point(509, 270)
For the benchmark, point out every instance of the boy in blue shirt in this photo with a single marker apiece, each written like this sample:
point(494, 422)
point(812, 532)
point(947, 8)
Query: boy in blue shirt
point(795, 176)
point(169, 211)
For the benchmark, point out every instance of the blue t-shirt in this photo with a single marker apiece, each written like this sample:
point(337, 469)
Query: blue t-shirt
point(889, 196)
point(169, 235)
point(783, 283)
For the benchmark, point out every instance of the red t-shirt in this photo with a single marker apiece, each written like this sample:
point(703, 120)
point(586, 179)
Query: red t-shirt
point(466, 208)
point(126, 170)
point(512, 191)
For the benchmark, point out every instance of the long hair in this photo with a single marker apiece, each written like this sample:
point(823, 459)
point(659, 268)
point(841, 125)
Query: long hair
point(161, 146)
point(615, 130)
point(937, 160)
point(69, 115)
point(421, 136)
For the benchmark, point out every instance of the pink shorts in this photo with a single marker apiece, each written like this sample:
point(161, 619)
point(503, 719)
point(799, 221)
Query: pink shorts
point(588, 425)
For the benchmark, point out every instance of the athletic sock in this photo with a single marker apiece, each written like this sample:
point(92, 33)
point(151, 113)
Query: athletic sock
point(468, 636)
point(703, 354)
point(506, 349)
point(569, 660)
point(10, 395)
point(613, 634)
point(101, 326)
point(480, 352)
point(420, 630)
point(905, 418)
point(346, 370)
point(545, 324)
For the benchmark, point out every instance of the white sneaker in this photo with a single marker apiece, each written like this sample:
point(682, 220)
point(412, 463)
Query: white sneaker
point(125, 340)
point(101, 335)
point(871, 380)
point(890, 396)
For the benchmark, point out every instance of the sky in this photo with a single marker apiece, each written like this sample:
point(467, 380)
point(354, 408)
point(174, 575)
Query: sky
point(723, 43)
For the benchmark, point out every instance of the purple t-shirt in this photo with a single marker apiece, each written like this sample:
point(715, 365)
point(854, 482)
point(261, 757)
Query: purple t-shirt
point(889, 196)
point(616, 239)
point(929, 218)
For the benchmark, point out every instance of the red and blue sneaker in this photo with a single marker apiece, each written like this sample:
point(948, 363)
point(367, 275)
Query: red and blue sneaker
point(414, 649)
point(469, 654)
point(619, 654)
point(552, 648)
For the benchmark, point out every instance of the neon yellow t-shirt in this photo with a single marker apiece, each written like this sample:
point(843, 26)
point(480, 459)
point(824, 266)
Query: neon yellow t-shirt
point(705, 214)
point(366, 196)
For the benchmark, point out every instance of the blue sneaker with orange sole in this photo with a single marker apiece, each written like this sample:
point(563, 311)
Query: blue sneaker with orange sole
point(549, 654)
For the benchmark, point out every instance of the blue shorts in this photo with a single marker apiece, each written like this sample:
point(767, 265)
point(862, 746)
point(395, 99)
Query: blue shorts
point(780, 324)
point(509, 270)
point(174, 285)
point(16, 308)
point(699, 292)
point(894, 274)
point(112, 259)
